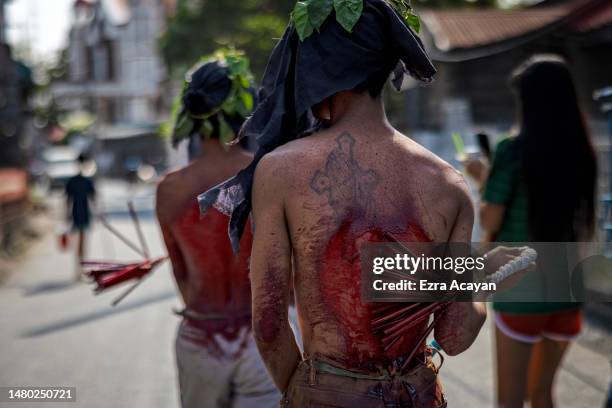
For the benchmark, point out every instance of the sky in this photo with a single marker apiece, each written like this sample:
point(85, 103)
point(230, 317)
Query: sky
point(38, 26)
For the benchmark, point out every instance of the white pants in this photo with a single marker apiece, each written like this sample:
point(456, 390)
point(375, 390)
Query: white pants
point(207, 381)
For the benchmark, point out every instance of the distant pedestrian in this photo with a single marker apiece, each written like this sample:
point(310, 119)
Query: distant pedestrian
point(80, 195)
point(540, 188)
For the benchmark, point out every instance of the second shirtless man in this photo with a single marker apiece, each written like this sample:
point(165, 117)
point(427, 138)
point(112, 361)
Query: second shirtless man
point(218, 363)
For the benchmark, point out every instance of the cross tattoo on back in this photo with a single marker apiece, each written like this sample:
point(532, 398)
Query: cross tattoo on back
point(343, 181)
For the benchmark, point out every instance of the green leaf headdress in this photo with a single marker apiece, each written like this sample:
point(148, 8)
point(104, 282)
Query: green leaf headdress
point(309, 15)
point(217, 96)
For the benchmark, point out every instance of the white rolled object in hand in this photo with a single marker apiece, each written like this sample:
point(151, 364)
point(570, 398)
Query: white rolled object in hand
point(519, 263)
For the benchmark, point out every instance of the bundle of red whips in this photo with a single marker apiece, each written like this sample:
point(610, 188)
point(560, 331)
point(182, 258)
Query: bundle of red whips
point(108, 274)
point(392, 321)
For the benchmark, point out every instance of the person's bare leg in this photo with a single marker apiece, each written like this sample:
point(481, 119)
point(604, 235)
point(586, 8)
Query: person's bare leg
point(512, 365)
point(546, 358)
point(534, 372)
point(80, 253)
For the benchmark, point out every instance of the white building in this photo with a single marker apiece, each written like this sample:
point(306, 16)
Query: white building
point(114, 68)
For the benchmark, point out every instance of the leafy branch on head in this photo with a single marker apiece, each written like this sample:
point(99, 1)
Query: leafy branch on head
point(309, 15)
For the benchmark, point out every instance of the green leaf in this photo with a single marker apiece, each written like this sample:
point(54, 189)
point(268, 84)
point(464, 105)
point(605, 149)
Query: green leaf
point(247, 101)
point(183, 126)
point(207, 129)
point(318, 11)
point(348, 12)
point(226, 134)
point(243, 81)
point(413, 21)
point(404, 9)
point(303, 26)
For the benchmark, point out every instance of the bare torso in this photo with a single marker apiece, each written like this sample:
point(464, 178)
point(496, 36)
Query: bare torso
point(343, 189)
point(211, 278)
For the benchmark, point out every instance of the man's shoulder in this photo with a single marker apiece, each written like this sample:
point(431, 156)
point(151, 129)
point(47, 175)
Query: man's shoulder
point(285, 169)
point(295, 149)
point(169, 181)
point(173, 190)
point(287, 159)
point(438, 173)
point(431, 162)
point(299, 154)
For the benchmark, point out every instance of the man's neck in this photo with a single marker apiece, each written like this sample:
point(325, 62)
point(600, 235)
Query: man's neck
point(212, 148)
point(359, 111)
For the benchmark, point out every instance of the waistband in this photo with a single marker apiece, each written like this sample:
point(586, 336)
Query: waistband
point(197, 316)
point(326, 368)
point(317, 364)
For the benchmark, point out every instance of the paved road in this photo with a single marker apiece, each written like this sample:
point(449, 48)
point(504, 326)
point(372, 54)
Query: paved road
point(55, 332)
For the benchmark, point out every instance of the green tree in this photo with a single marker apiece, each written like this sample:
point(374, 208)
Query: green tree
point(201, 26)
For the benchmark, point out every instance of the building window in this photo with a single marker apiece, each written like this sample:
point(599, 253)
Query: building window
point(109, 49)
point(89, 63)
point(112, 111)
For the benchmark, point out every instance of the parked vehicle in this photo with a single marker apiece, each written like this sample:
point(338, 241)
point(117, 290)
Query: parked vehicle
point(59, 164)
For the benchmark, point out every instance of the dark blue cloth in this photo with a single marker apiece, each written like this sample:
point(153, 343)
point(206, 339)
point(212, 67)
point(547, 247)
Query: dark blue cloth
point(79, 189)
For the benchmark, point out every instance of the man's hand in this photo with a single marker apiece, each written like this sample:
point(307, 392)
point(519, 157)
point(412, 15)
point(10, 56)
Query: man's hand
point(476, 168)
point(500, 256)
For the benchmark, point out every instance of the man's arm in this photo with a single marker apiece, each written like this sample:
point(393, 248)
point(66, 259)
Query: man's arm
point(271, 278)
point(461, 322)
point(174, 252)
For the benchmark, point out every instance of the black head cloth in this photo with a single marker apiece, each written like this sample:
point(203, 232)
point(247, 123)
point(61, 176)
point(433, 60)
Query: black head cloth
point(217, 97)
point(205, 89)
point(208, 87)
point(301, 74)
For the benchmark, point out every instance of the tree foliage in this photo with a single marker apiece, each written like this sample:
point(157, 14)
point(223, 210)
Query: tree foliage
point(201, 26)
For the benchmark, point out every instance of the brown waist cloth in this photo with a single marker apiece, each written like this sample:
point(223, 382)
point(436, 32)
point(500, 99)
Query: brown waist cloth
point(316, 383)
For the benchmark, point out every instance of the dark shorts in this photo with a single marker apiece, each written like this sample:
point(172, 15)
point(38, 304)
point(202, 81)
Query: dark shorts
point(82, 226)
point(418, 388)
point(80, 219)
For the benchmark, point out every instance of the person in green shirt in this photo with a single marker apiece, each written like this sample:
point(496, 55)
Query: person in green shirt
point(540, 187)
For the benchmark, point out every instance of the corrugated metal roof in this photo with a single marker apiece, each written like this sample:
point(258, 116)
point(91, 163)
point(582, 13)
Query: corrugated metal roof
point(453, 29)
point(462, 29)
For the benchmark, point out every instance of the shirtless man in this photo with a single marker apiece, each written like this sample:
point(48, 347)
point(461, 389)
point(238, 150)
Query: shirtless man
point(217, 359)
point(317, 199)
